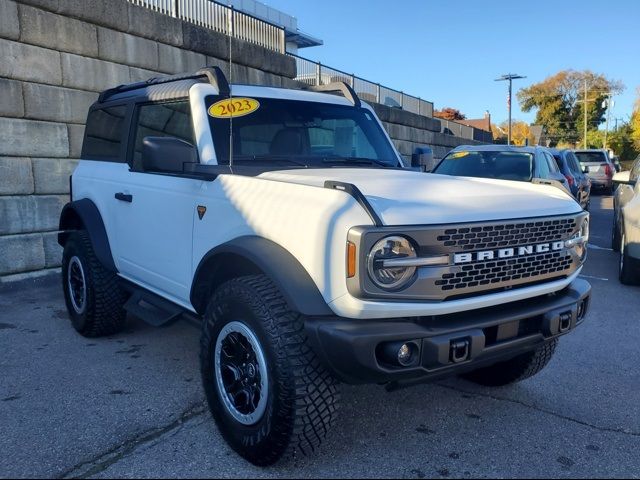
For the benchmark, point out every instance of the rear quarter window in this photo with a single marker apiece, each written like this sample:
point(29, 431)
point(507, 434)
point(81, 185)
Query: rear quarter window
point(104, 134)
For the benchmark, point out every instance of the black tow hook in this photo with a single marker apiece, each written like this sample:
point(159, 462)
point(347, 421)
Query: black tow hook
point(565, 322)
point(459, 350)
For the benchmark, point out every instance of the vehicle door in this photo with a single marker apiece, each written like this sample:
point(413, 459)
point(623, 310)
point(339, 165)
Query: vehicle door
point(156, 211)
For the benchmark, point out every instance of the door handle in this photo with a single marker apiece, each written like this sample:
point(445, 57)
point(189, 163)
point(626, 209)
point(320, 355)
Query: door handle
point(125, 197)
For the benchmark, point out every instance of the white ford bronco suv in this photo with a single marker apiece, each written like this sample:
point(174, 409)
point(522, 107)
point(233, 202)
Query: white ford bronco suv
point(284, 221)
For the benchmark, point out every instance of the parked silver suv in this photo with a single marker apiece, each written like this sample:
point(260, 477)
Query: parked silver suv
point(598, 167)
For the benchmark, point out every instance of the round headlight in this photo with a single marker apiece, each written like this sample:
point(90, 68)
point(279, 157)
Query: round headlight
point(390, 277)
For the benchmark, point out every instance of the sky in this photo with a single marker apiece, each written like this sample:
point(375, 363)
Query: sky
point(450, 52)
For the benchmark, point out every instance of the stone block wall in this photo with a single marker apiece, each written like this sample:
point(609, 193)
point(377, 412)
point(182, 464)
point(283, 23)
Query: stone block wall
point(408, 131)
point(57, 55)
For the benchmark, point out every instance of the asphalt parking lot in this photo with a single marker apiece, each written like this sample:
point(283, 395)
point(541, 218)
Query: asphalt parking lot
point(132, 404)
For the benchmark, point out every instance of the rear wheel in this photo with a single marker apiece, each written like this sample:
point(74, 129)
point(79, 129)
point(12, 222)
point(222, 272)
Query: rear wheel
point(628, 273)
point(92, 293)
point(266, 389)
point(615, 234)
point(514, 370)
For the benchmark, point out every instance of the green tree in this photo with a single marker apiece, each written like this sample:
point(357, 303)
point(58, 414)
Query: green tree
point(559, 102)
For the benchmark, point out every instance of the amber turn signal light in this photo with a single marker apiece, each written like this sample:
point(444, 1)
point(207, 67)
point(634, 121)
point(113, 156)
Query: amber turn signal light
point(351, 260)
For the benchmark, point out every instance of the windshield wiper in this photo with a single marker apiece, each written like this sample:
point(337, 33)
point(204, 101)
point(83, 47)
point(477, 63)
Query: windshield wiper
point(355, 160)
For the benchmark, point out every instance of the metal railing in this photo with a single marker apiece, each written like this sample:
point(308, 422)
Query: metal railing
point(314, 73)
point(223, 19)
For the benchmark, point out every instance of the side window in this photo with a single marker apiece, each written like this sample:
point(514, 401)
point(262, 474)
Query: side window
point(553, 166)
point(103, 134)
point(161, 120)
point(543, 166)
point(578, 167)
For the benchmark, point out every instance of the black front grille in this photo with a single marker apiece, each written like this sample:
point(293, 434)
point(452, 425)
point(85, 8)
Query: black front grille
point(508, 235)
point(492, 272)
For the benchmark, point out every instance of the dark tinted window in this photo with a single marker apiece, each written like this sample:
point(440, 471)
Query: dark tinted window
point(553, 166)
point(558, 160)
point(161, 120)
point(103, 134)
point(291, 132)
point(591, 157)
point(500, 165)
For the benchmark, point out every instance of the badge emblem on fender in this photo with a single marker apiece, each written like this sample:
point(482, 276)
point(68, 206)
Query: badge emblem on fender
point(201, 211)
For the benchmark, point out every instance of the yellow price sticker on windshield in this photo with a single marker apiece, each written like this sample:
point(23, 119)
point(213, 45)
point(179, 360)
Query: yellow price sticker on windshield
point(459, 154)
point(233, 107)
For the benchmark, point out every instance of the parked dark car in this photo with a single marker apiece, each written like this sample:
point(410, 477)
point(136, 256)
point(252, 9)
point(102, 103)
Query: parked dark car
point(504, 162)
point(599, 168)
point(579, 182)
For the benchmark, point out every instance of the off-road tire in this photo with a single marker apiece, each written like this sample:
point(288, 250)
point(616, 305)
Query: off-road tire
point(104, 313)
point(303, 396)
point(628, 266)
point(514, 370)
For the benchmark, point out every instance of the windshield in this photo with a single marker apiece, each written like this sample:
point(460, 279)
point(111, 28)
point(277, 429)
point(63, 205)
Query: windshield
point(294, 133)
point(591, 157)
point(487, 164)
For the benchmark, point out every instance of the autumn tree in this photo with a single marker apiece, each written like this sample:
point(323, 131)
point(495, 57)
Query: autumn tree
point(449, 113)
point(634, 124)
point(559, 102)
point(520, 132)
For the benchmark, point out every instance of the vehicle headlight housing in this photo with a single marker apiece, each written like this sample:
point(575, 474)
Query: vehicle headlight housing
point(581, 249)
point(391, 248)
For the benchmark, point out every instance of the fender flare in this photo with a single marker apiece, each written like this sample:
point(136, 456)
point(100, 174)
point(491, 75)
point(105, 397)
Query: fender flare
point(291, 278)
point(83, 214)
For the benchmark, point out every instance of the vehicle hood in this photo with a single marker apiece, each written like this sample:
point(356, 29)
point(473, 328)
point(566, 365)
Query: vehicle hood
point(405, 197)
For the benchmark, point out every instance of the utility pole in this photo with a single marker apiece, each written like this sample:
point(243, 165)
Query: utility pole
point(585, 101)
point(510, 77)
point(609, 104)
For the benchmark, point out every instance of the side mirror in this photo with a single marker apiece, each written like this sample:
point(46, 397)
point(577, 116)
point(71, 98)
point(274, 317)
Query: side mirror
point(167, 154)
point(623, 178)
point(585, 169)
point(423, 158)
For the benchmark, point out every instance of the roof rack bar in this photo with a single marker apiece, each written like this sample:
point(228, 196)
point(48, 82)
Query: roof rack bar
point(214, 75)
point(342, 87)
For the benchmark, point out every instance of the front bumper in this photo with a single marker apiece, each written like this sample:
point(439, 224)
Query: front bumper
point(352, 349)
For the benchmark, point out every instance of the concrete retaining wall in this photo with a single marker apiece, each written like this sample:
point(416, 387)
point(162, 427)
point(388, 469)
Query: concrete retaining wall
point(56, 55)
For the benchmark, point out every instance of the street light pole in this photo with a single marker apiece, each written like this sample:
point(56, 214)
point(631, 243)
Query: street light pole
point(510, 77)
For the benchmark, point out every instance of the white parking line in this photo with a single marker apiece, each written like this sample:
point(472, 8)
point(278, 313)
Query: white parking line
point(594, 278)
point(596, 247)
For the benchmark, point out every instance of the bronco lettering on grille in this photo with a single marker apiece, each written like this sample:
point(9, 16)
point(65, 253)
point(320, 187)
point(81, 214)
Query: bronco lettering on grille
point(507, 252)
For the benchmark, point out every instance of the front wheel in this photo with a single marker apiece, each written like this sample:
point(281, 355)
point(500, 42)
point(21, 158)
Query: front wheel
point(514, 370)
point(266, 389)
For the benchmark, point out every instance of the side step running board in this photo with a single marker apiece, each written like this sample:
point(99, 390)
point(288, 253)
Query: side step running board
point(152, 309)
